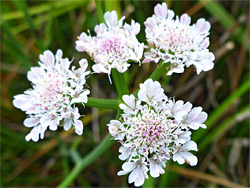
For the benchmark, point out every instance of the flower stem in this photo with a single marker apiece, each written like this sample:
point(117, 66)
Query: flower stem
point(64, 153)
point(160, 69)
point(88, 159)
point(120, 83)
point(102, 103)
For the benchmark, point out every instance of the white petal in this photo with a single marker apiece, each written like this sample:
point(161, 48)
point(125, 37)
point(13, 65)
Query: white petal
point(78, 127)
point(31, 122)
point(189, 158)
point(67, 124)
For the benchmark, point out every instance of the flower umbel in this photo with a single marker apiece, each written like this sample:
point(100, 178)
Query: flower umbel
point(153, 130)
point(178, 42)
point(113, 46)
point(51, 101)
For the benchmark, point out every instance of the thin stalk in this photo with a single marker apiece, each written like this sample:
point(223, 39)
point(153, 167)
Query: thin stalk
point(159, 70)
point(102, 103)
point(64, 153)
point(120, 83)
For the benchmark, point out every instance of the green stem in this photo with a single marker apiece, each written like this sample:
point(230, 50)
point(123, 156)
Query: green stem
point(90, 158)
point(64, 153)
point(120, 84)
point(160, 69)
point(102, 103)
point(107, 142)
point(87, 160)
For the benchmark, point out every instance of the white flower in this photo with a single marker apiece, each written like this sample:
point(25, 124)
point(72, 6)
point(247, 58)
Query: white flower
point(195, 118)
point(182, 155)
point(154, 129)
point(150, 91)
point(113, 46)
point(156, 167)
point(51, 101)
point(178, 42)
point(138, 172)
point(130, 105)
point(116, 129)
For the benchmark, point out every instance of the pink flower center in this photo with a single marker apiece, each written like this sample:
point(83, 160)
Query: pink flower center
point(111, 45)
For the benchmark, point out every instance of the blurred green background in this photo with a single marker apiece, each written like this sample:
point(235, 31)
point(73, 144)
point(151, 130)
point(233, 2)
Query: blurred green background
point(30, 27)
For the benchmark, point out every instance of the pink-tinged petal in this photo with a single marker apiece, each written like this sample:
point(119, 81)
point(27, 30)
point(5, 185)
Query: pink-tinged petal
point(65, 63)
point(202, 25)
point(189, 158)
point(36, 74)
point(42, 131)
point(191, 145)
point(161, 10)
point(194, 113)
point(185, 19)
point(67, 124)
point(31, 122)
point(34, 134)
point(142, 94)
point(78, 127)
point(21, 101)
point(125, 152)
point(84, 37)
point(156, 170)
point(129, 100)
point(178, 105)
point(194, 126)
point(46, 120)
point(53, 125)
point(83, 64)
point(150, 23)
point(205, 43)
point(47, 58)
point(111, 18)
point(59, 54)
point(137, 177)
point(177, 157)
point(148, 60)
point(129, 166)
point(98, 68)
point(122, 172)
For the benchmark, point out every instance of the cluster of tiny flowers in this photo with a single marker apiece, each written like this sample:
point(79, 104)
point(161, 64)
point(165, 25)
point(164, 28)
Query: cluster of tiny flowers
point(177, 42)
point(113, 46)
point(51, 101)
point(153, 130)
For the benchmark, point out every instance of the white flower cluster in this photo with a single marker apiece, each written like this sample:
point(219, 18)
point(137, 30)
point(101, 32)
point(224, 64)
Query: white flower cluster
point(113, 46)
point(154, 129)
point(51, 101)
point(178, 42)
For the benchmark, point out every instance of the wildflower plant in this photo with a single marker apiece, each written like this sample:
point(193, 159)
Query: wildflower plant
point(154, 129)
point(177, 42)
point(151, 127)
point(56, 90)
point(113, 46)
